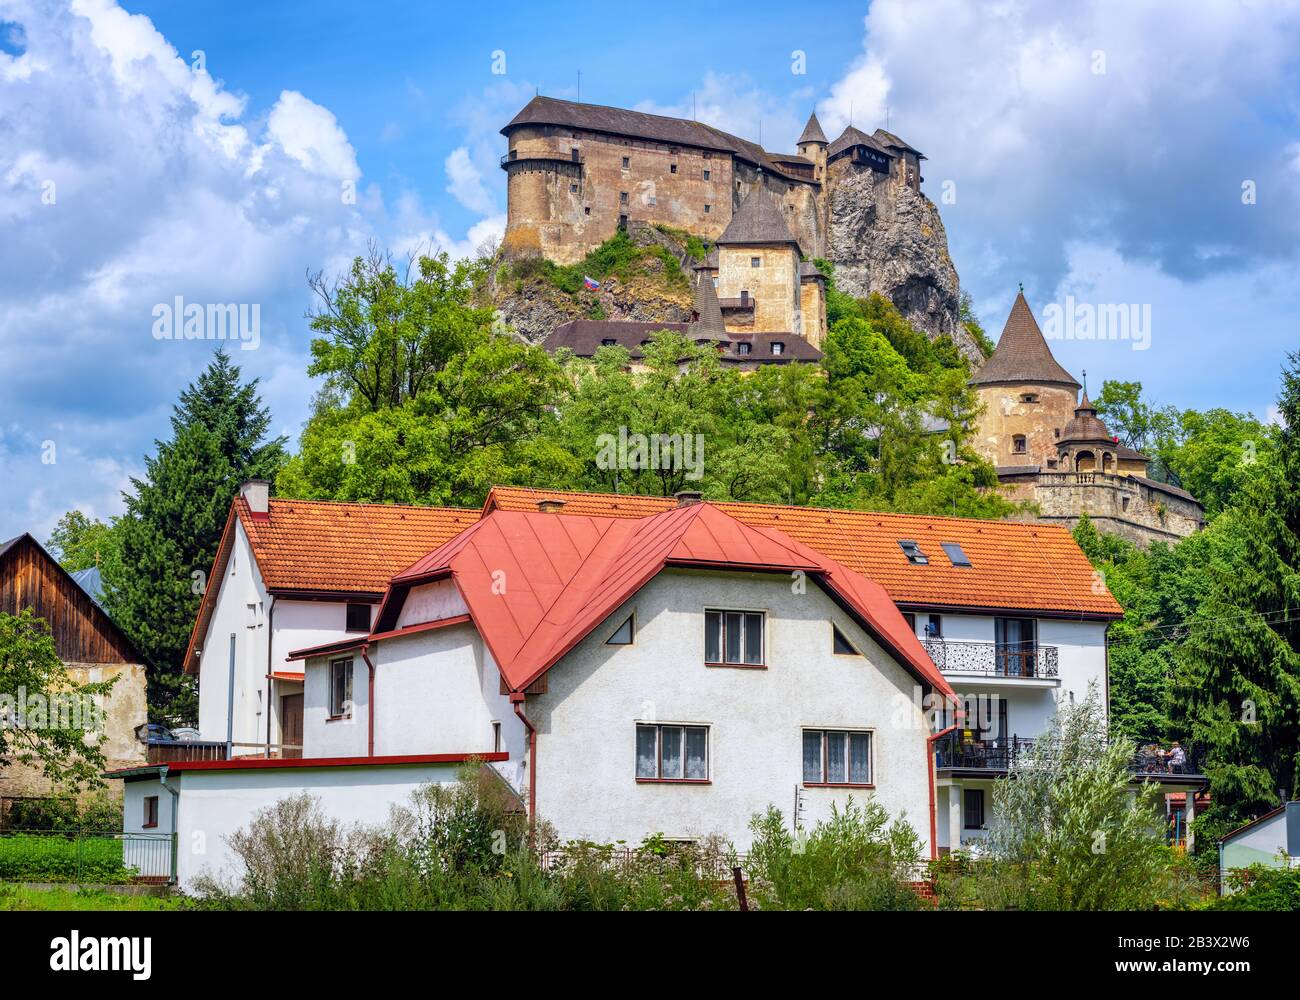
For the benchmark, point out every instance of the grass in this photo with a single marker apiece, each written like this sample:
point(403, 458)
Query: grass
point(16, 897)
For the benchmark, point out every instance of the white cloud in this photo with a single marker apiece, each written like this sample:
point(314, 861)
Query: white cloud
point(311, 135)
point(466, 183)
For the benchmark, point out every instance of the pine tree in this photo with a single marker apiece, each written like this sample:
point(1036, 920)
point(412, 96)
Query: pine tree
point(1237, 690)
point(174, 519)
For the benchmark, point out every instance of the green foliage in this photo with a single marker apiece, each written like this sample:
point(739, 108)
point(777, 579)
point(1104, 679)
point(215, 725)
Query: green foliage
point(47, 721)
point(26, 857)
point(1069, 833)
point(17, 897)
point(174, 519)
point(856, 860)
point(65, 814)
point(618, 257)
point(1261, 887)
point(79, 543)
point(691, 245)
point(966, 313)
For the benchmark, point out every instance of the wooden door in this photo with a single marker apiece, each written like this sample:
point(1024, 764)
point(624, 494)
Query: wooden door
point(291, 724)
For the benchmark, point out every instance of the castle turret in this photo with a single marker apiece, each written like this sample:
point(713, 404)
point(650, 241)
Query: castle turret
point(758, 270)
point(812, 145)
point(1027, 396)
point(707, 324)
point(1086, 444)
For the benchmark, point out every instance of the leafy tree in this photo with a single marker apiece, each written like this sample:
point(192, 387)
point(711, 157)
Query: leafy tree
point(1069, 833)
point(966, 312)
point(79, 543)
point(1237, 688)
point(46, 720)
point(174, 519)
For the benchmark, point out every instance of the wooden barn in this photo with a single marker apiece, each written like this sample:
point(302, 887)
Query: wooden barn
point(91, 646)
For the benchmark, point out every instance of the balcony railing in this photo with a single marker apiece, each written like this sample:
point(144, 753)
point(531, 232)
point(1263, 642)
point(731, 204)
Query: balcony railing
point(1151, 760)
point(993, 660)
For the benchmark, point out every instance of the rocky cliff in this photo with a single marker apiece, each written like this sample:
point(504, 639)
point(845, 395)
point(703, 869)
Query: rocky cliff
point(884, 237)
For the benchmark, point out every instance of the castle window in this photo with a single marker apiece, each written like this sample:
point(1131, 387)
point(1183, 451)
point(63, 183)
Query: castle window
point(1018, 444)
point(586, 210)
point(626, 161)
point(755, 261)
point(1029, 397)
point(622, 197)
point(1056, 432)
point(778, 347)
point(622, 222)
point(573, 154)
point(706, 209)
point(706, 175)
point(743, 348)
point(573, 189)
point(609, 342)
point(672, 168)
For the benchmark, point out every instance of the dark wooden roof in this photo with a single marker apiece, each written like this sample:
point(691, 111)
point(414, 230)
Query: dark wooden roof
point(891, 141)
point(708, 314)
point(851, 137)
point(1022, 355)
point(812, 132)
point(32, 578)
point(1086, 425)
point(757, 222)
point(586, 336)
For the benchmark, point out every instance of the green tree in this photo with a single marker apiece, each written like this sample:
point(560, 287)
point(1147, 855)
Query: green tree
point(174, 519)
point(1237, 687)
point(47, 721)
point(79, 543)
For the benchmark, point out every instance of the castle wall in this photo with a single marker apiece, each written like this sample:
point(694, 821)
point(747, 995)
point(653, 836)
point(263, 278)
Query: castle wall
point(773, 285)
point(1007, 414)
point(1117, 505)
point(812, 304)
point(801, 204)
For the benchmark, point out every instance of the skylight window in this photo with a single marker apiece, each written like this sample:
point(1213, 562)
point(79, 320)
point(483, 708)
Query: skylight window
point(622, 635)
point(913, 552)
point(956, 555)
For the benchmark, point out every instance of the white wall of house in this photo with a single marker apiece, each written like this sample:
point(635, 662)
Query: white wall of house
point(586, 766)
point(215, 804)
point(431, 602)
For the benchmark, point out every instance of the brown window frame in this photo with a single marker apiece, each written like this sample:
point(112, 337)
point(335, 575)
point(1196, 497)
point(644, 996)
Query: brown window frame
point(150, 812)
point(659, 779)
point(870, 734)
point(745, 613)
point(336, 710)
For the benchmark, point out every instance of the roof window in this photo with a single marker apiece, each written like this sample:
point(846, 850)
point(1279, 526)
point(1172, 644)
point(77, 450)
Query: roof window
point(913, 552)
point(956, 555)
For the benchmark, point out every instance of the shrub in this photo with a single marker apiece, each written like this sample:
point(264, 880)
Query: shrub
point(1261, 888)
point(62, 858)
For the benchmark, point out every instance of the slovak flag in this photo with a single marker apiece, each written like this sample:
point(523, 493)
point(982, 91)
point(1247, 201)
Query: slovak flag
point(590, 282)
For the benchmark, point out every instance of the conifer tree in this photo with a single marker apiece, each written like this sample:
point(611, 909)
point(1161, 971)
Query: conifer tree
point(174, 519)
point(1237, 690)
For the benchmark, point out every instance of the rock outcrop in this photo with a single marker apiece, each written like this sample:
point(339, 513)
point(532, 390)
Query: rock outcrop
point(885, 237)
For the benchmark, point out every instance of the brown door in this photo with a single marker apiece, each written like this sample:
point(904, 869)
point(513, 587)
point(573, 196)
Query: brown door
point(291, 724)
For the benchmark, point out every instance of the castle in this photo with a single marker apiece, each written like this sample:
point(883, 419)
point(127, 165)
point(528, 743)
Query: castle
point(578, 173)
point(1050, 447)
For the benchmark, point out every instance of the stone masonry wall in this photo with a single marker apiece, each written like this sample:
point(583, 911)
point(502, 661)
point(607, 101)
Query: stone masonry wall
point(1006, 414)
point(773, 285)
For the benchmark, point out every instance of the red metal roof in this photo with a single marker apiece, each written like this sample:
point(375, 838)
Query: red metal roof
point(537, 583)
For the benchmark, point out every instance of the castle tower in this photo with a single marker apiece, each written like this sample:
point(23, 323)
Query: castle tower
point(1086, 444)
point(1027, 397)
point(758, 270)
point(812, 146)
point(707, 324)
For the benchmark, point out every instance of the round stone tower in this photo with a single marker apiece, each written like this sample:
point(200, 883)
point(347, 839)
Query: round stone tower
point(1028, 398)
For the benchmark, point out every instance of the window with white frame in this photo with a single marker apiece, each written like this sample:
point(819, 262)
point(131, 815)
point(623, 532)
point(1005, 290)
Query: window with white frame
point(341, 688)
point(672, 753)
point(734, 638)
point(836, 757)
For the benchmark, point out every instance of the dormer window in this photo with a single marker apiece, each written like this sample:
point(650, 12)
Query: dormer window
point(743, 348)
point(913, 552)
point(778, 347)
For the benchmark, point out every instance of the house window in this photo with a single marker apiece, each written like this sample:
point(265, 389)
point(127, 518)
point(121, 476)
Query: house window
point(755, 261)
point(672, 753)
point(150, 811)
point(496, 737)
point(836, 757)
point(622, 635)
point(1056, 433)
point(1018, 444)
point(778, 347)
point(840, 644)
point(734, 637)
point(974, 808)
point(910, 618)
point(913, 552)
point(341, 689)
point(358, 618)
point(706, 175)
point(1016, 646)
point(626, 162)
point(622, 197)
point(934, 627)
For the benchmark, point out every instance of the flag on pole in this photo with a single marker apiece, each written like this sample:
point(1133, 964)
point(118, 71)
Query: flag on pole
point(590, 282)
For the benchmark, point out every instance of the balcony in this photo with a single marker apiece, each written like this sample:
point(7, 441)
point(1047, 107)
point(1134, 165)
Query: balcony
point(993, 661)
point(1165, 764)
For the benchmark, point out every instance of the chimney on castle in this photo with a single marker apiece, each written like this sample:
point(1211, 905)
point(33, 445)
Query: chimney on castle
point(257, 494)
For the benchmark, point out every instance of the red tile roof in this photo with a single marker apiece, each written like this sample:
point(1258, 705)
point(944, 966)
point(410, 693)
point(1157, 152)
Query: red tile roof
point(563, 575)
point(1014, 565)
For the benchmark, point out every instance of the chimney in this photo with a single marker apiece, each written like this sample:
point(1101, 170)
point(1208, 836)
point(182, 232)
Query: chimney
point(687, 497)
point(257, 494)
point(550, 506)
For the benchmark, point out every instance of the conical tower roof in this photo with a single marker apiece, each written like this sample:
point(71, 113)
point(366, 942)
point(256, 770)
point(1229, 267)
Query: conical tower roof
point(708, 325)
point(757, 222)
point(812, 132)
point(1022, 355)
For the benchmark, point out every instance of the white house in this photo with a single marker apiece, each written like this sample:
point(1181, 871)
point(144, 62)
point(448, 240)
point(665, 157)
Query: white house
point(1272, 840)
point(632, 665)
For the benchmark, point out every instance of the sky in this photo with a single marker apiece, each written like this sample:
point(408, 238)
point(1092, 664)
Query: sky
point(1101, 154)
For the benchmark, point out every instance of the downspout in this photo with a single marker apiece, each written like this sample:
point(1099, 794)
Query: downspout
point(517, 699)
point(930, 769)
point(176, 815)
point(370, 700)
point(230, 703)
point(270, 641)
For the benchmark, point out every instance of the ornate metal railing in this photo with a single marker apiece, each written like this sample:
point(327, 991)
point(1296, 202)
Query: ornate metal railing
point(993, 660)
point(1151, 760)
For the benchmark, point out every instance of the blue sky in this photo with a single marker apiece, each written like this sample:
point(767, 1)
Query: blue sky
point(1095, 151)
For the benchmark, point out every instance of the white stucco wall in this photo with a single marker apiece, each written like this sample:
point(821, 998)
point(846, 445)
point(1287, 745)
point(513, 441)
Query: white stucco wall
point(586, 783)
point(430, 602)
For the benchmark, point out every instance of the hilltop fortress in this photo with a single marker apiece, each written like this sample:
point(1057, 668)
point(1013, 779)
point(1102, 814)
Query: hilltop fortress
point(577, 173)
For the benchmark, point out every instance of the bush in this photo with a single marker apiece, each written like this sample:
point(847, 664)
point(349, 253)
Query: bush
point(26, 857)
point(97, 813)
point(1261, 888)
